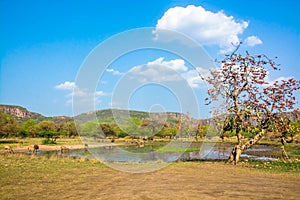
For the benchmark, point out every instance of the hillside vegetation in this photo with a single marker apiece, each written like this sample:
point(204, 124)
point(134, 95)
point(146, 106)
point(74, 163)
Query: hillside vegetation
point(19, 122)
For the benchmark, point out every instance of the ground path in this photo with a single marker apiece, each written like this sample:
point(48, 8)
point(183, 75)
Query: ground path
point(27, 177)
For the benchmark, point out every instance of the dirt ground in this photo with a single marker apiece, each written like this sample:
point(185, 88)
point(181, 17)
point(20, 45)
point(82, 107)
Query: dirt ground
point(37, 178)
point(193, 181)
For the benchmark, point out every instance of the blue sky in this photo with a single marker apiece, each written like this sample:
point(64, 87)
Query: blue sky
point(43, 44)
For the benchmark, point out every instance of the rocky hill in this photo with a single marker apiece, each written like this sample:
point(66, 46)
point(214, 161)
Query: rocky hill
point(20, 113)
point(108, 115)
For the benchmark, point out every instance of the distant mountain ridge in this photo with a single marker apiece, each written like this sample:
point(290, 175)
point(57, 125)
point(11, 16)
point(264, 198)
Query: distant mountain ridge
point(111, 113)
point(21, 114)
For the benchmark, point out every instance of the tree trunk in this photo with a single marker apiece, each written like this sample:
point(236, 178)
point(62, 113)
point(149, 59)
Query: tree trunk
point(235, 154)
point(283, 141)
point(284, 154)
point(237, 150)
point(240, 147)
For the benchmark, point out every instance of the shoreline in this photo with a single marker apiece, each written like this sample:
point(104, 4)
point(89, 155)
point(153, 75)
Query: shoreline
point(42, 147)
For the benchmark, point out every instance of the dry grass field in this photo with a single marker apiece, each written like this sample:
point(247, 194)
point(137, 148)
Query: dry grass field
point(31, 177)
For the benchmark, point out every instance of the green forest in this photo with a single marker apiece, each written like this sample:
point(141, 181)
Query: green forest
point(138, 125)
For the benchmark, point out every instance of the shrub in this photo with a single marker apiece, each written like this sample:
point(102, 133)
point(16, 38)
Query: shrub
point(48, 141)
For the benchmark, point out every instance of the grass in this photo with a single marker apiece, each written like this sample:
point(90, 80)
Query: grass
point(293, 150)
point(160, 149)
point(174, 149)
point(14, 142)
point(39, 166)
point(34, 177)
point(24, 163)
point(21, 174)
point(274, 166)
point(19, 166)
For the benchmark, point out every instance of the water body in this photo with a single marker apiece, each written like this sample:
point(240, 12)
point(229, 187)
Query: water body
point(149, 153)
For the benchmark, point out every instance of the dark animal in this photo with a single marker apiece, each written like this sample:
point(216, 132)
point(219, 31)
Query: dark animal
point(33, 148)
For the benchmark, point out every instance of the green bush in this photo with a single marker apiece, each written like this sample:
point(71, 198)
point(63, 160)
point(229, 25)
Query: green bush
point(48, 141)
point(122, 134)
point(23, 134)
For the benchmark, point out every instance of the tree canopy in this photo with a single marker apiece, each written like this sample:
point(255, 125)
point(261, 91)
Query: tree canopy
point(252, 103)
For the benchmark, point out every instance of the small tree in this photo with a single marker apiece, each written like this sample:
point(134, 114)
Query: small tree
point(29, 128)
point(118, 131)
point(252, 104)
point(91, 129)
point(49, 135)
point(153, 126)
point(8, 125)
point(69, 129)
point(108, 130)
point(201, 131)
point(46, 125)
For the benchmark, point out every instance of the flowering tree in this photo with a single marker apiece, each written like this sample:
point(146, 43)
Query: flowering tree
point(252, 104)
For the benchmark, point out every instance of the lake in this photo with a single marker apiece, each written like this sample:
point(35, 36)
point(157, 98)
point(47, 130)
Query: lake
point(171, 153)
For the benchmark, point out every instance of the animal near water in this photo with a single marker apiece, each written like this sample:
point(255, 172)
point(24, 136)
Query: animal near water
point(64, 149)
point(33, 148)
point(8, 149)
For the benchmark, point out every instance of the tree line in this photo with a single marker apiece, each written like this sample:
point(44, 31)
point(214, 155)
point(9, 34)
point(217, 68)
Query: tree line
point(48, 129)
point(132, 126)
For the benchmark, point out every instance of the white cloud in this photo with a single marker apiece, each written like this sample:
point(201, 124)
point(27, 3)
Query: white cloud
point(159, 71)
point(114, 72)
point(67, 85)
point(177, 64)
point(100, 93)
point(206, 27)
point(84, 94)
point(252, 41)
point(195, 77)
point(85, 97)
point(79, 93)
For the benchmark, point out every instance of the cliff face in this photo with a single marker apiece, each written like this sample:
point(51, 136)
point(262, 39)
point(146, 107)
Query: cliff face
point(20, 113)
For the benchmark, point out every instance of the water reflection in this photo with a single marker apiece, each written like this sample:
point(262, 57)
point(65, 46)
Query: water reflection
point(149, 153)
